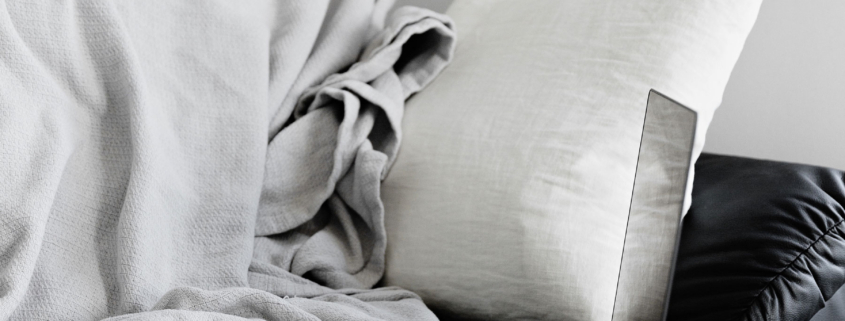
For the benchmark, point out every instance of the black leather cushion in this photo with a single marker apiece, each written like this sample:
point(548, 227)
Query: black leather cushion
point(762, 241)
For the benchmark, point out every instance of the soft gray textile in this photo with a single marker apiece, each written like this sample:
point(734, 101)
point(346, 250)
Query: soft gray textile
point(515, 205)
point(203, 160)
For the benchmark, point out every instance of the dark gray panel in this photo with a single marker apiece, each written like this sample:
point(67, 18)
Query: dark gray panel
point(656, 207)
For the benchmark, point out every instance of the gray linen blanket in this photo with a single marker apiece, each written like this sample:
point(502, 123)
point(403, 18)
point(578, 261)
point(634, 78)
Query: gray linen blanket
point(204, 160)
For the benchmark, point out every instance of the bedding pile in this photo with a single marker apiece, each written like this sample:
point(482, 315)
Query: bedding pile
point(204, 160)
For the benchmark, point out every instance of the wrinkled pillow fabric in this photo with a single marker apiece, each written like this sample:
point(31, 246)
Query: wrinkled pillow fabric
point(510, 194)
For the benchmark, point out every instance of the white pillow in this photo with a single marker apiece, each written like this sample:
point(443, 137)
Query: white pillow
point(510, 195)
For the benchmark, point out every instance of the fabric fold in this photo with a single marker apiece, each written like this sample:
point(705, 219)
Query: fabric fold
point(210, 160)
point(351, 123)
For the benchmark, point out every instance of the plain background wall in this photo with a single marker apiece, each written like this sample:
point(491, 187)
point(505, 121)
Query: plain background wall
point(786, 97)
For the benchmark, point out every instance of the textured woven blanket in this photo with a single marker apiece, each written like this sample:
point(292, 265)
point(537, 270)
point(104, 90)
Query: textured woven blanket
point(204, 160)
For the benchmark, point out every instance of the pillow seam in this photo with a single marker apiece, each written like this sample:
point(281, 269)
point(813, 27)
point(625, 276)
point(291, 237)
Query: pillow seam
point(833, 229)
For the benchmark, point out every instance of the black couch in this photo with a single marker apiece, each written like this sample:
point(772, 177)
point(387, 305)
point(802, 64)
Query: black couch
point(763, 240)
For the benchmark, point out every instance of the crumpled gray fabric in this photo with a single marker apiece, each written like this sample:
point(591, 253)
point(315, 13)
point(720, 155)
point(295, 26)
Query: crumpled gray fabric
point(211, 160)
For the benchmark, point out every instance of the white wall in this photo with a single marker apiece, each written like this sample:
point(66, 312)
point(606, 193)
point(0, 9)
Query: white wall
point(786, 97)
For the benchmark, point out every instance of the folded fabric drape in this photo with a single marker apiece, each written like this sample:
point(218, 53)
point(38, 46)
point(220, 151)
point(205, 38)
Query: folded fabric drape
point(204, 160)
